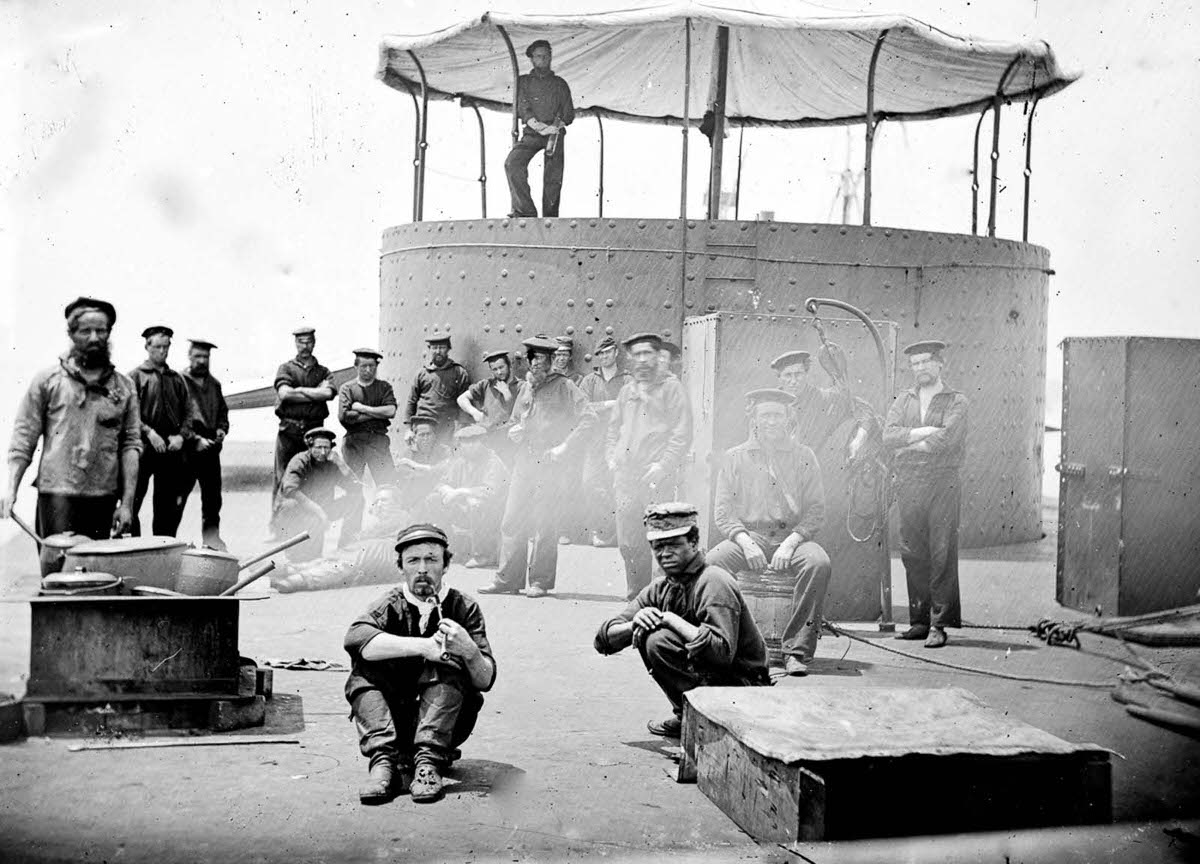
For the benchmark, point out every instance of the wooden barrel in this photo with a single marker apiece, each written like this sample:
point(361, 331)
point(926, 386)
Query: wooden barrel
point(769, 599)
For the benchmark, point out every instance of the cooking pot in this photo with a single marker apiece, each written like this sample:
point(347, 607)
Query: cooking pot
point(55, 547)
point(80, 582)
point(137, 560)
point(208, 572)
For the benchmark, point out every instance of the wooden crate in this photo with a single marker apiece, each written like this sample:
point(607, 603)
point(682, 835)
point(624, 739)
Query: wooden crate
point(789, 764)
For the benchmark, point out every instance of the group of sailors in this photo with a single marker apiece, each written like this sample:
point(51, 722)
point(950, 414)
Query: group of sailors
point(494, 466)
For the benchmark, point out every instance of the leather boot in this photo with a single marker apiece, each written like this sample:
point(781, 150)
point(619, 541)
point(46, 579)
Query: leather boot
point(380, 782)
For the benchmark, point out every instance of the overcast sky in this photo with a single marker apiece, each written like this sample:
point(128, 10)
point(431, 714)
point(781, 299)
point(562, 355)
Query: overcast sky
point(229, 170)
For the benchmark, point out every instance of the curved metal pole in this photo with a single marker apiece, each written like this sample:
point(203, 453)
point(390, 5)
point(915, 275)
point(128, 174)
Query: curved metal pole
point(416, 160)
point(870, 118)
point(812, 303)
point(1028, 168)
point(600, 192)
point(516, 70)
point(482, 162)
point(975, 174)
point(996, 142)
point(687, 94)
point(419, 192)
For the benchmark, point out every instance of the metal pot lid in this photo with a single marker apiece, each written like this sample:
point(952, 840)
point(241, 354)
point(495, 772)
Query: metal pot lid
point(214, 554)
point(79, 578)
point(122, 545)
point(66, 540)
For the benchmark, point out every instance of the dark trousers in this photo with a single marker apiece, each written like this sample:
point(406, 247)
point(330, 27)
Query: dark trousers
point(516, 166)
point(91, 516)
point(362, 450)
point(929, 509)
point(811, 566)
point(419, 719)
point(205, 469)
point(169, 471)
point(631, 498)
point(666, 657)
point(537, 492)
point(288, 442)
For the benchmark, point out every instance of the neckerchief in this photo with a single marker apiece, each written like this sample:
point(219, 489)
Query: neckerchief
point(425, 606)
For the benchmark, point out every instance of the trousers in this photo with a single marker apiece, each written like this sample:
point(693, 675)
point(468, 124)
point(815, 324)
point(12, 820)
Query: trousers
point(362, 450)
point(516, 167)
point(536, 495)
point(420, 718)
point(290, 519)
point(601, 510)
point(812, 567)
point(205, 469)
point(666, 657)
point(91, 516)
point(929, 510)
point(288, 442)
point(169, 471)
point(631, 498)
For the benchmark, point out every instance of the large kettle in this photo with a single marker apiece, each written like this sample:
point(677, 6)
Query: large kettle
point(52, 550)
point(208, 572)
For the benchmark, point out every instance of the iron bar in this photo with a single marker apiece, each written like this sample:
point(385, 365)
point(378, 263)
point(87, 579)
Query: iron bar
point(737, 189)
point(996, 100)
point(975, 174)
point(516, 70)
point(687, 95)
point(600, 124)
point(419, 192)
point(1028, 168)
point(717, 155)
point(482, 162)
point(870, 140)
point(416, 160)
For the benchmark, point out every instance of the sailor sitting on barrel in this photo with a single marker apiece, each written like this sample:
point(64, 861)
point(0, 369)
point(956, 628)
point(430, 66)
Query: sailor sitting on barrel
point(769, 504)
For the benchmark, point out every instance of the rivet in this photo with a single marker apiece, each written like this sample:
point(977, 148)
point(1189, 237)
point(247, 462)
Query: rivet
point(691, 277)
point(792, 307)
point(518, 328)
point(592, 254)
point(628, 277)
point(712, 307)
point(641, 223)
point(612, 224)
point(487, 328)
point(570, 331)
point(691, 224)
point(520, 301)
point(520, 223)
point(503, 274)
point(501, 328)
point(504, 222)
point(670, 255)
point(588, 329)
point(608, 331)
point(791, 281)
point(570, 303)
point(815, 229)
point(591, 275)
point(667, 305)
point(608, 303)
point(590, 302)
point(549, 223)
point(487, 301)
point(503, 301)
point(436, 301)
point(462, 274)
point(841, 230)
point(587, 357)
point(592, 223)
point(744, 226)
point(447, 301)
point(574, 223)
point(689, 304)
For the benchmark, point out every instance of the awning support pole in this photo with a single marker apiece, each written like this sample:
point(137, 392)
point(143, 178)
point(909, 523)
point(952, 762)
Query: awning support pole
point(416, 160)
point(516, 70)
point(870, 141)
point(1028, 169)
point(600, 190)
point(482, 162)
point(423, 146)
point(687, 95)
point(975, 173)
point(737, 189)
point(718, 134)
point(996, 143)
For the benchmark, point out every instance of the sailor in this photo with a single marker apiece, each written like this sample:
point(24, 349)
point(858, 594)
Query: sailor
point(769, 504)
point(927, 429)
point(209, 429)
point(546, 110)
point(366, 406)
point(435, 390)
point(692, 628)
point(471, 493)
point(648, 435)
point(308, 498)
point(601, 386)
point(420, 664)
point(167, 419)
point(571, 521)
point(420, 469)
point(302, 387)
point(85, 414)
point(552, 419)
point(489, 402)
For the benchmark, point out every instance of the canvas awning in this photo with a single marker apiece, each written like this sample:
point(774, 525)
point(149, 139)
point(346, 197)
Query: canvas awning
point(790, 63)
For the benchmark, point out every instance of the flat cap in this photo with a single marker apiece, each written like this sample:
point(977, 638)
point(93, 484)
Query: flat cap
point(422, 420)
point(540, 344)
point(202, 343)
point(673, 519)
point(604, 344)
point(536, 44)
point(565, 342)
point(304, 331)
point(927, 346)
point(92, 303)
point(422, 532)
point(320, 432)
point(790, 358)
point(769, 394)
point(435, 338)
point(653, 338)
point(156, 330)
point(668, 345)
point(367, 352)
point(489, 356)
point(472, 431)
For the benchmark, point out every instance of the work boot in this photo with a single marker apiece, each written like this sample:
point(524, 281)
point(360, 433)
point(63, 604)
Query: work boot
point(793, 665)
point(916, 631)
point(427, 783)
point(380, 785)
point(937, 638)
point(668, 728)
point(499, 588)
point(535, 592)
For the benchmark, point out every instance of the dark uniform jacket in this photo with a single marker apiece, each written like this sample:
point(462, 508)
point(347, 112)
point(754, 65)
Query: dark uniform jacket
point(306, 414)
point(487, 397)
point(772, 494)
point(435, 394)
point(944, 450)
point(375, 395)
point(393, 614)
point(706, 597)
point(317, 480)
point(545, 97)
point(211, 411)
point(650, 426)
point(553, 413)
point(165, 402)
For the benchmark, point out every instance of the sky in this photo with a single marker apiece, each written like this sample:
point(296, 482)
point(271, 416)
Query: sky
point(229, 170)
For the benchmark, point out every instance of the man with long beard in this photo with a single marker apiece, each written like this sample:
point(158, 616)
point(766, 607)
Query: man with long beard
point(85, 413)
